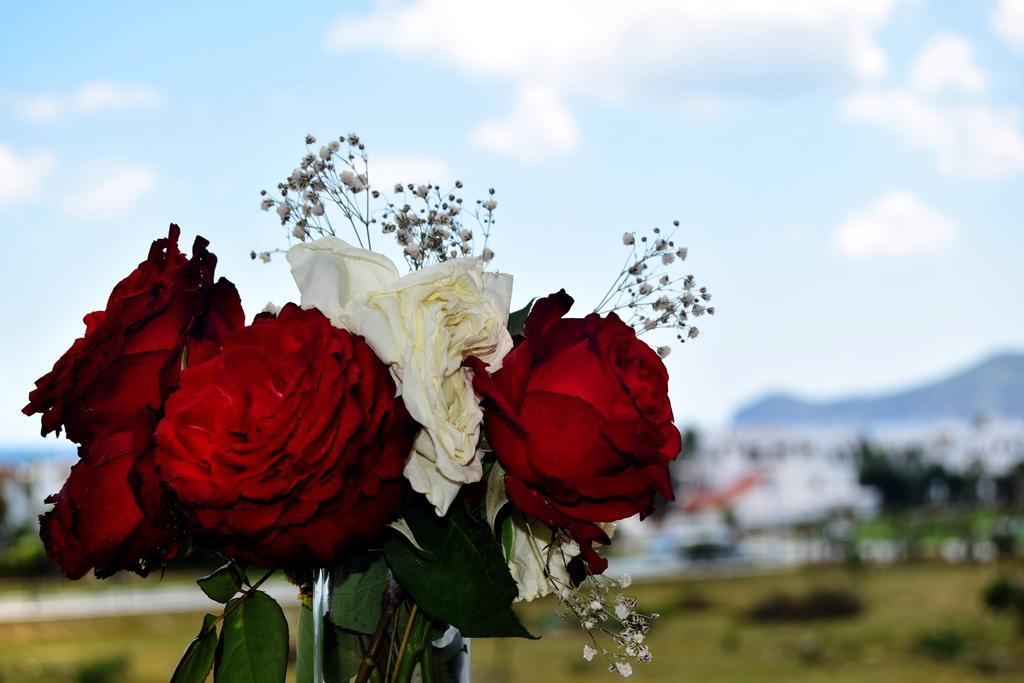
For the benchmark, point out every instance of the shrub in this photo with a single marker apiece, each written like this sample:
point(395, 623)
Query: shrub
point(1003, 594)
point(107, 670)
point(942, 644)
point(694, 602)
point(825, 603)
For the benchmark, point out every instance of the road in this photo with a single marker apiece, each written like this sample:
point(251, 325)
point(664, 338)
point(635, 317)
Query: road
point(121, 601)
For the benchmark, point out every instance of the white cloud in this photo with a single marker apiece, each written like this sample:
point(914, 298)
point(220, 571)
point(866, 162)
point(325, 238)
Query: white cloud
point(385, 171)
point(611, 49)
point(946, 63)
point(968, 139)
point(897, 225)
point(116, 192)
point(22, 178)
point(540, 125)
point(1008, 22)
point(89, 98)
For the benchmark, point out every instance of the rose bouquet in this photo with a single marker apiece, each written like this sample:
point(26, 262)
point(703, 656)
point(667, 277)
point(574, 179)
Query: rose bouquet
point(410, 454)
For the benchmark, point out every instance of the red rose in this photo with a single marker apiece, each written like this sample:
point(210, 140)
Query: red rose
point(287, 448)
point(107, 392)
point(579, 418)
point(96, 521)
point(131, 355)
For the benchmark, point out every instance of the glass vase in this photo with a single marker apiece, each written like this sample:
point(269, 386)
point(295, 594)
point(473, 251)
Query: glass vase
point(444, 659)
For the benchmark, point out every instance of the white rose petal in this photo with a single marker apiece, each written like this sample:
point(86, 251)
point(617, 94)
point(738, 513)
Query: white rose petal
point(533, 559)
point(331, 274)
point(423, 326)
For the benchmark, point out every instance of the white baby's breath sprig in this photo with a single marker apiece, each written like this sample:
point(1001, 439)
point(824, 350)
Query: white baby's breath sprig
point(332, 188)
point(616, 628)
point(650, 293)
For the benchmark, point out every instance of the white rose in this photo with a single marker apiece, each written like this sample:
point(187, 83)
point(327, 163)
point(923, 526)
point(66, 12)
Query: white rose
point(534, 558)
point(422, 325)
point(331, 273)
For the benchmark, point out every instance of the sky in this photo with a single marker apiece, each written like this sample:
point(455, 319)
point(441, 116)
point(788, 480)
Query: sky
point(848, 174)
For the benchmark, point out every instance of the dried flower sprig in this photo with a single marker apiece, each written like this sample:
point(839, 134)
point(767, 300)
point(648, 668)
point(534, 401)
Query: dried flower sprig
point(650, 294)
point(616, 628)
point(429, 224)
point(332, 187)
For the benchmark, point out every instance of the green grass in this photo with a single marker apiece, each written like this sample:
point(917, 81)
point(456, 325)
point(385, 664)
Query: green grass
point(922, 623)
point(720, 644)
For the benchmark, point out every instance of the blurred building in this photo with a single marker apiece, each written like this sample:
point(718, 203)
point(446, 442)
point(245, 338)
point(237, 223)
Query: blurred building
point(25, 485)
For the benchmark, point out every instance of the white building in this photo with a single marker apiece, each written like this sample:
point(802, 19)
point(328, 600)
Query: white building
point(770, 477)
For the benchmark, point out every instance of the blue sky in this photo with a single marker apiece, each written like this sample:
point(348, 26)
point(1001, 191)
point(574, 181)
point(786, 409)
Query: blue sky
point(848, 173)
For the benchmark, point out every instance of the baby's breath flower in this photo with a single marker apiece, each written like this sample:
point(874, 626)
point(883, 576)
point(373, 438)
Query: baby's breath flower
point(649, 293)
point(588, 653)
point(624, 669)
point(663, 351)
point(328, 181)
point(626, 581)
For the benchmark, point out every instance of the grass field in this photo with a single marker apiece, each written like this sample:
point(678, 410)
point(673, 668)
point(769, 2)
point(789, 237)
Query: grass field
point(921, 623)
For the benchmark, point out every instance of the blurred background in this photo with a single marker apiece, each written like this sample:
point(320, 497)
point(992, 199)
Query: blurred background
point(848, 176)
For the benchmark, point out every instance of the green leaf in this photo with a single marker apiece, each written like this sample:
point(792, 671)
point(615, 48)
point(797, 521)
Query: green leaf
point(358, 592)
point(304, 648)
point(496, 496)
point(253, 645)
point(517, 319)
point(222, 584)
point(197, 660)
point(343, 654)
point(463, 579)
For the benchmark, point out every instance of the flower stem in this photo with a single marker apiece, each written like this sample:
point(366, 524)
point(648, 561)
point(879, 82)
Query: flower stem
point(393, 595)
point(413, 643)
point(405, 640)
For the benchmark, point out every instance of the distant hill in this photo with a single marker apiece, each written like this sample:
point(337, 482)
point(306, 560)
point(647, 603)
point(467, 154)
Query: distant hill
point(995, 386)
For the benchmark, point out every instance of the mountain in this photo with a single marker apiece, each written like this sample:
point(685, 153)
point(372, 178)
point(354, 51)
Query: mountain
point(995, 386)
